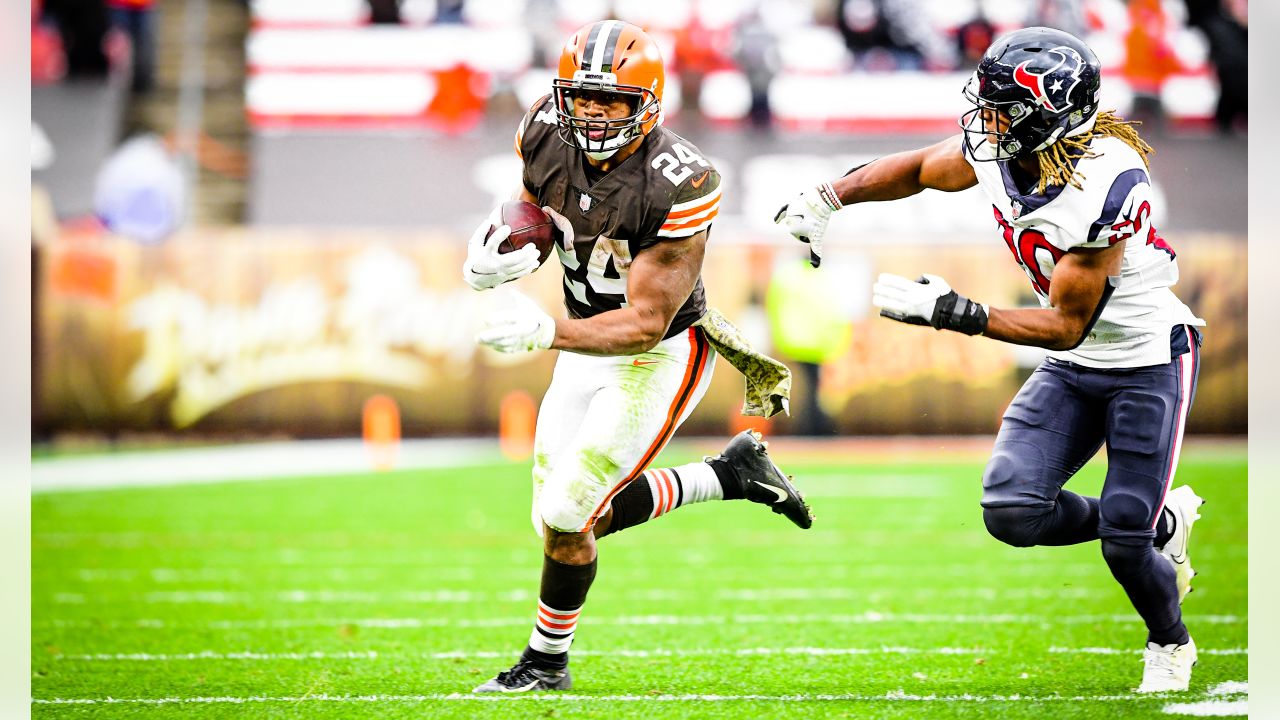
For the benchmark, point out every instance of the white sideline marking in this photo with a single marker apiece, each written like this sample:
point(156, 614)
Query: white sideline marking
point(1138, 651)
point(656, 653)
point(495, 654)
point(468, 597)
point(1215, 708)
point(869, 617)
point(1208, 708)
point(268, 460)
point(893, 696)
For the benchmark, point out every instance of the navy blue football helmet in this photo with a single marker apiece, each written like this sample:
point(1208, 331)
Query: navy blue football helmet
point(1045, 82)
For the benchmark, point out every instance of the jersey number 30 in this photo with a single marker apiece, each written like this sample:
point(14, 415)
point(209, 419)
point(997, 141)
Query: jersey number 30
point(1024, 246)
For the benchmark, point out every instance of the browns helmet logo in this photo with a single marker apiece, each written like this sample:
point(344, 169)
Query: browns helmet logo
point(1051, 86)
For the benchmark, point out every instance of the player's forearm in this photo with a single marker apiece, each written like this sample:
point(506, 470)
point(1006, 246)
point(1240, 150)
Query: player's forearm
point(1048, 328)
point(892, 177)
point(625, 331)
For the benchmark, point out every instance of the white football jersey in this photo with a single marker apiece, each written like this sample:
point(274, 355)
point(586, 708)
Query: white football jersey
point(1114, 204)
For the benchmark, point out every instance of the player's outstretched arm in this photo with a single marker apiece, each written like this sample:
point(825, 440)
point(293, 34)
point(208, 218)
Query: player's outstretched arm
point(941, 166)
point(660, 280)
point(1082, 284)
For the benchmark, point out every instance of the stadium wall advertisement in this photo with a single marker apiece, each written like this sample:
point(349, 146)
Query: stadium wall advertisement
point(245, 331)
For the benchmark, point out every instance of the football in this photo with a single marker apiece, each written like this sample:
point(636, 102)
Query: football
point(529, 224)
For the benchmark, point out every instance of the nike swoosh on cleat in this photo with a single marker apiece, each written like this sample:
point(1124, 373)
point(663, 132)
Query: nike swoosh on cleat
point(638, 363)
point(521, 689)
point(782, 494)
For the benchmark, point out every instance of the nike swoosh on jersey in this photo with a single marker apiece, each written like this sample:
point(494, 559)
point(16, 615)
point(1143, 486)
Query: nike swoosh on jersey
point(782, 494)
point(697, 182)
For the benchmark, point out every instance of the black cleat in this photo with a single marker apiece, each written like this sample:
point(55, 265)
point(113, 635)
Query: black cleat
point(761, 481)
point(525, 676)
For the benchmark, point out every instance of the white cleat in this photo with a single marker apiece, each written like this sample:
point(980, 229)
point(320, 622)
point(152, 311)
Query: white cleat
point(1183, 502)
point(1167, 668)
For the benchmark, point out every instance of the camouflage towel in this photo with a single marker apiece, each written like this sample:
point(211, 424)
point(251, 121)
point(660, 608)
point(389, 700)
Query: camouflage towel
point(768, 381)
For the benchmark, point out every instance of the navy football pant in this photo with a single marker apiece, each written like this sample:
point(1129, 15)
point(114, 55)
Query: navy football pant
point(1057, 421)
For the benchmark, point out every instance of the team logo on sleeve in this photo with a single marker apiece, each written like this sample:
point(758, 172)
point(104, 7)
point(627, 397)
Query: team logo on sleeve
point(1051, 77)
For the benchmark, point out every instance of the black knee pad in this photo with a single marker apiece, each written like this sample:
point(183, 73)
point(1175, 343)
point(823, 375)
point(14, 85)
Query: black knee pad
point(1016, 525)
point(1125, 513)
point(1013, 475)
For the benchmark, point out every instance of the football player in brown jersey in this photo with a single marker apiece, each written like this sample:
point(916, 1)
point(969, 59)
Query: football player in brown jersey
point(635, 203)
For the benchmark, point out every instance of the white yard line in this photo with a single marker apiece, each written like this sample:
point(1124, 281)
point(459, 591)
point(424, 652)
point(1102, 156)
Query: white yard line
point(520, 595)
point(894, 696)
point(1209, 708)
point(618, 652)
point(265, 460)
point(1138, 651)
point(870, 617)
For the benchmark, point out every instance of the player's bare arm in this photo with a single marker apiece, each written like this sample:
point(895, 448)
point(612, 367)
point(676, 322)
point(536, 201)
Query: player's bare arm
point(1080, 287)
point(661, 279)
point(940, 166)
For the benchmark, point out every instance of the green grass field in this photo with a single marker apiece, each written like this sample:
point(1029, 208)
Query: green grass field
point(391, 595)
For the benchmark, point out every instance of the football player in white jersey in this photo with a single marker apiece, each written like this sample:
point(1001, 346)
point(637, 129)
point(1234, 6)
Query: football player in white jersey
point(1071, 197)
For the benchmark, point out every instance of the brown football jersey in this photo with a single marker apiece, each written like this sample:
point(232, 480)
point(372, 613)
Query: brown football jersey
point(666, 191)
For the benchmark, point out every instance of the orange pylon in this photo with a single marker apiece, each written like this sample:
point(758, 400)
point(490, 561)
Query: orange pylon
point(382, 431)
point(517, 419)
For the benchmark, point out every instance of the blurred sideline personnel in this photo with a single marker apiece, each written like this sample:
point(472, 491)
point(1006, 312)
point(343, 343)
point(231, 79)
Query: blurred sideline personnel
point(1071, 195)
point(635, 203)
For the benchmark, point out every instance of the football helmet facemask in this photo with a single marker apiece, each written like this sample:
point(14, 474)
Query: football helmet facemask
point(1044, 82)
point(611, 57)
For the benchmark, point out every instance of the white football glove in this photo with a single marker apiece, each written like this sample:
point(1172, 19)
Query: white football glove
point(522, 327)
point(485, 267)
point(927, 301)
point(806, 216)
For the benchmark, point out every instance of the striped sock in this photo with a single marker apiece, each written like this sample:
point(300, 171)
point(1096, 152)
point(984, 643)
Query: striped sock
point(560, 599)
point(675, 487)
point(553, 630)
point(659, 491)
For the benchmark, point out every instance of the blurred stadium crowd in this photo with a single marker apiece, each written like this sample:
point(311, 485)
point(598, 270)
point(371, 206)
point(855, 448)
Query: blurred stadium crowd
point(786, 61)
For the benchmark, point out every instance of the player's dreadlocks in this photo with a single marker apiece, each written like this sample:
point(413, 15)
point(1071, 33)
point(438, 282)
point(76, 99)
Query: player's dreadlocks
point(1056, 166)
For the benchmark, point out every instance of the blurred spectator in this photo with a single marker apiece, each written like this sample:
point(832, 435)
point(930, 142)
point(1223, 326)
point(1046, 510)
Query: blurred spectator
point(384, 12)
point(450, 11)
point(810, 325)
point(755, 49)
point(890, 35)
point(136, 19)
point(1149, 58)
point(972, 40)
point(1227, 31)
point(83, 26)
point(140, 192)
point(1064, 15)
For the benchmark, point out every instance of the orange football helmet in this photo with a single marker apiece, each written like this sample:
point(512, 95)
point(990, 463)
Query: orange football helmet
point(614, 57)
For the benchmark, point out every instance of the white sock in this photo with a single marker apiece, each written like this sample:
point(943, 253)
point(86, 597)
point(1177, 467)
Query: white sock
point(683, 485)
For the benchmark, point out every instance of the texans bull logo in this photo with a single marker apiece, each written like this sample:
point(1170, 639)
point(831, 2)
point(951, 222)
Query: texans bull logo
point(1052, 85)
